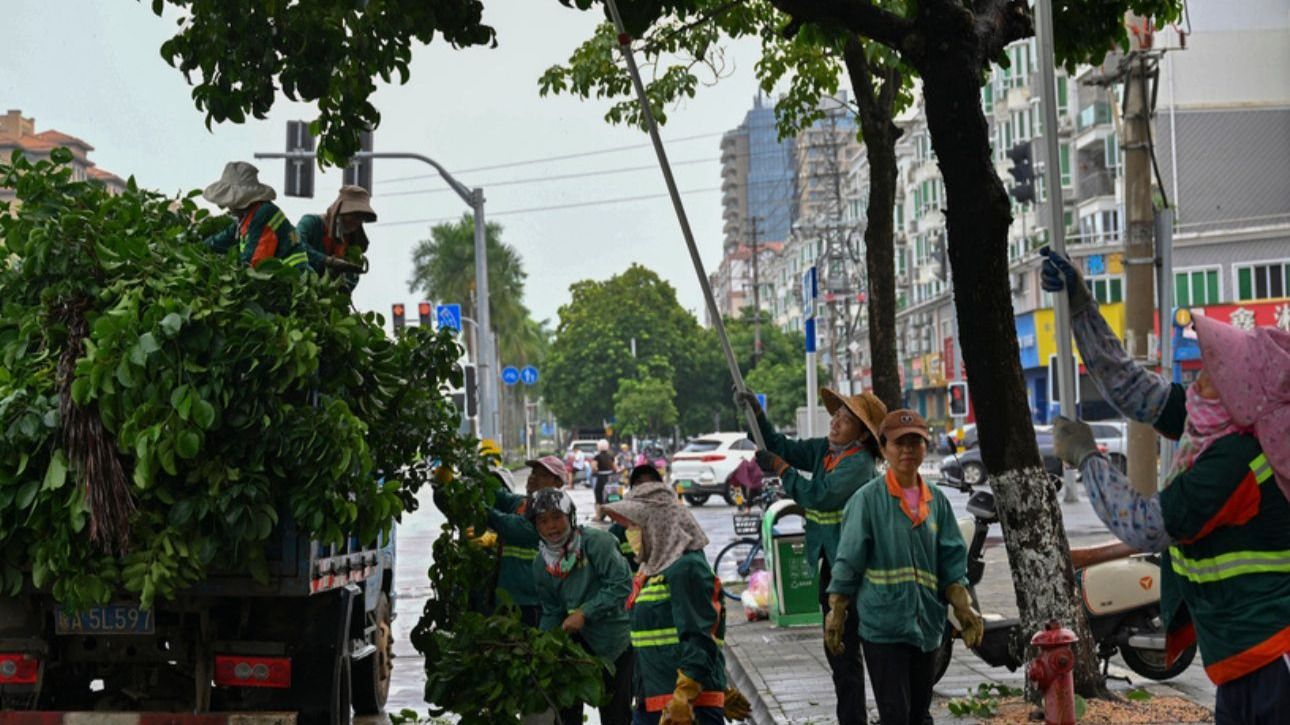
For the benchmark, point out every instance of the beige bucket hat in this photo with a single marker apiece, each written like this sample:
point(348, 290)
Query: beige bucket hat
point(353, 200)
point(238, 187)
point(865, 406)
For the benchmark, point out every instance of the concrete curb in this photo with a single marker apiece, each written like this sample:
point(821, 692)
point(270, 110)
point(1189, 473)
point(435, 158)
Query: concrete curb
point(751, 685)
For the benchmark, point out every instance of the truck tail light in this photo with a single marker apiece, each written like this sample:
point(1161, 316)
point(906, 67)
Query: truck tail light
point(712, 457)
point(17, 668)
point(240, 671)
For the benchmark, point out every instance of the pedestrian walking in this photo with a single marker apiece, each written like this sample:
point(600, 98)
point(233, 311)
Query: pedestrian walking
point(678, 616)
point(261, 231)
point(603, 467)
point(336, 240)
point(1220, 524)
point(901, 559)
point(583, 584)
point(839, 464)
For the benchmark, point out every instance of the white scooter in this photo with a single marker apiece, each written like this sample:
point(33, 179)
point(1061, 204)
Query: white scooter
point(1119, 587)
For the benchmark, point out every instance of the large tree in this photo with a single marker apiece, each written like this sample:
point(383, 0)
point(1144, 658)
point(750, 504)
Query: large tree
point(683, 51)
point(950, 45)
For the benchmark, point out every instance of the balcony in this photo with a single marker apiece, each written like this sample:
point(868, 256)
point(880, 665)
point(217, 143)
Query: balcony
point(1094, 114)
point(1097, 181)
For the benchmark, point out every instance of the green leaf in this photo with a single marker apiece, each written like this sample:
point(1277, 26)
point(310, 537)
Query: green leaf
point(170, 324)
point(148, 343)
point(1081, 707)
point(56, 474)
point(204, 414)
point(81, 391)
point(1139, 694)
point(27, 494)
point(188, 444)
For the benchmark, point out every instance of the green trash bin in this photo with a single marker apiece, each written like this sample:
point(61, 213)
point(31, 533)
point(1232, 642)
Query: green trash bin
point(794, 589)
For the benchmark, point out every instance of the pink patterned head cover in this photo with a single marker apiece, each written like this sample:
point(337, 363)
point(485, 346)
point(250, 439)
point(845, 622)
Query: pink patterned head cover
point(1252, 373)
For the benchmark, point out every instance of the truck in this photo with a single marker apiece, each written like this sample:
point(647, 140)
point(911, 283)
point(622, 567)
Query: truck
point(311, 643)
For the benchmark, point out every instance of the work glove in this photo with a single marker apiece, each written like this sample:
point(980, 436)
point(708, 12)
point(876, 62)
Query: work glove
point(749, 398)
point(769, 462)
point(1073, 441)
point(1059, 274)
point(835, 623)
point(679, 711)
point(486, 540)
point(737, 706)
point(336, 264)
point(971, 628)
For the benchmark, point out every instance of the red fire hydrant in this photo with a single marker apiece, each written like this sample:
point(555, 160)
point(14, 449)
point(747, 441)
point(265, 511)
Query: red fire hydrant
point(1052, 671)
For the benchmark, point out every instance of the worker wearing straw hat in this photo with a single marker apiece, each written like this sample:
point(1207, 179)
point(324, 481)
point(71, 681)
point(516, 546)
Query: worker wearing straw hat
point(336, 241)
point(840, 464)
point(261, 231)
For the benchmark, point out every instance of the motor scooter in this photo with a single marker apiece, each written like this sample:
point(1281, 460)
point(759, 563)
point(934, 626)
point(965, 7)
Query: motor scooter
point(1119, 588)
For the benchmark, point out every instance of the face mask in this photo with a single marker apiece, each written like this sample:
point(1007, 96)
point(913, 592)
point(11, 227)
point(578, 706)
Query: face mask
point(634, 541)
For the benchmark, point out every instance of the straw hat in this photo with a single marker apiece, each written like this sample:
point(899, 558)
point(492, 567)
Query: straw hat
point(866, 407)
point(238, 187)
point(354, 200)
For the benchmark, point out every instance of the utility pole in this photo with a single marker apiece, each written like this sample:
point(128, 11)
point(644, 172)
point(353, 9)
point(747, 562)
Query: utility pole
point(1139, 251)
point(756, 265)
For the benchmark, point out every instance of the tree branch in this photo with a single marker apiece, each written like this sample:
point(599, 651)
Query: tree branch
point(861, 75)
point(1000, 22)
point(858, 16)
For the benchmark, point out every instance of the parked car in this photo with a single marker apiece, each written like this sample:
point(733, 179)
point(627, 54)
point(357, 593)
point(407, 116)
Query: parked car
point(1112, 438)
point(588, 449)
point(703, 467)
point(964, 436)
point(968, 468)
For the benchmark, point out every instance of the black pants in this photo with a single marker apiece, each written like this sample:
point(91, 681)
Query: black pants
point(848, 667)
point(599, 489)
point(902, 682)
point(1260, 698)
point(530, 615)
point(618, 685)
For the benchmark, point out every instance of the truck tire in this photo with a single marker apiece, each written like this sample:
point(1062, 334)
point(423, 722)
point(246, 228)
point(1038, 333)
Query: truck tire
point(371, 675)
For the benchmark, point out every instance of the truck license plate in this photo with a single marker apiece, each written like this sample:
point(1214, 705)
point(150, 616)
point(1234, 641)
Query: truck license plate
point(111, 619)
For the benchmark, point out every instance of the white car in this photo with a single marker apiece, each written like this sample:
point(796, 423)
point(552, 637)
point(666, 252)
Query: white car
point(1112, 438)
point(701, 468)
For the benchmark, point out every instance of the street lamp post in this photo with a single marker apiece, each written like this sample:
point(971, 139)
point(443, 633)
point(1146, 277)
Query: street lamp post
point(475, 199)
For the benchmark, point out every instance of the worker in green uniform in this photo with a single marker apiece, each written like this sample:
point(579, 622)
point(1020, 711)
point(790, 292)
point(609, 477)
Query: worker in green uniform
point(517, 538)
point(839, 465)
point(261, 231)
point(678, 616)
point(583, 584)
point(336, 240)
point(902, 558)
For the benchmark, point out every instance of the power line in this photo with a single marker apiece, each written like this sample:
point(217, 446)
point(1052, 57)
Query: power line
point(564, 157)
point(575, 205)
point(562, 177)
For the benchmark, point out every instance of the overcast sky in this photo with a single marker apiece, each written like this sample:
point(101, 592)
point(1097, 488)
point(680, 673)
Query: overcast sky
point(91, 68)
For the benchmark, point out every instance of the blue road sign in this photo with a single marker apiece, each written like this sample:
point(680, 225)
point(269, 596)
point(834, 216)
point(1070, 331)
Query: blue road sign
point(546, 429)
point(510, 375)
point(810, 334)
point(449, 316)
point(761, 400)
point(529, 375)
point(810, 292)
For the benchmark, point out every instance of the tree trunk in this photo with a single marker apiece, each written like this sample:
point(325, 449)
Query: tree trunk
point(977, 221)
point(880, 135)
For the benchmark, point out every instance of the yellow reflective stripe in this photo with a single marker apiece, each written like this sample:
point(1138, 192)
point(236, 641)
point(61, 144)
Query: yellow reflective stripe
point(626, 548)
point(903, 575)
point(1228, 566)
point(826, 518)
point(295, 259)
point(654, 593)
point(520, 552)
point(1262, 468)
point(276, 220)
point(655, 637)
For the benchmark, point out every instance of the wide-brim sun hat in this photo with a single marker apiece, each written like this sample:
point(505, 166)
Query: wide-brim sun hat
point(238, 187)
point(355, 200)
point(866, 407)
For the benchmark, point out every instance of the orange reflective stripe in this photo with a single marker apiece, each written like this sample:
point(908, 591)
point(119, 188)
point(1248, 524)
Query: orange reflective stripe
point(266, 248)
point(1254, 658)
point(832, 460)
point(710, 698)
point(1241, 506)
point(1176, 642)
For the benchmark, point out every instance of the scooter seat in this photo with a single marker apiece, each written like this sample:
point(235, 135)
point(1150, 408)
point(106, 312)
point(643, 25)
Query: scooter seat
point(1086, 556)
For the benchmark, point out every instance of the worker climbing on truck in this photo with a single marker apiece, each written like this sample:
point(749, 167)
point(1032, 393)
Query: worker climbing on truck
point(261, 230)
point(336, 241)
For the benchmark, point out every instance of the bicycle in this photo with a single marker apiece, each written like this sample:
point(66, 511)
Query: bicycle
point(745, 556)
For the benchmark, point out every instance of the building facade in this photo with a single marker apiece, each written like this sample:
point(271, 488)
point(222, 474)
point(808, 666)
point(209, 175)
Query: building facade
point(18, 133)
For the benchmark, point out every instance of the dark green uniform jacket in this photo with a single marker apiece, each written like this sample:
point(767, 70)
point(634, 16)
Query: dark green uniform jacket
point(1225, 583)
point(319, 243)
point(833, 479)
point(518, 540)
point(262, 234)
point(679, 622)
point(620, 533)
point(598, 586)
point(899, 562)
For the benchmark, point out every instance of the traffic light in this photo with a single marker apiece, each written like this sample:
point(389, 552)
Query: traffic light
point(958, 400)
point(399, 321)
point(359, 171)
point(472, 390)
point(1023, 172)
point(300, 172)
point(423, 313)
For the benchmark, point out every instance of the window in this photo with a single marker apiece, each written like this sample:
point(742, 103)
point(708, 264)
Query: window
point(1196, 287)
point(1062, 101)
point(987, 98)
point(1064, 159)
point(701, 446)
point(1112, 157)
point(1262, 281)
point(743, 445)
point(1106, 290)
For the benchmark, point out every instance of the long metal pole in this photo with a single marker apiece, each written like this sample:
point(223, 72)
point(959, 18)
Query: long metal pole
point(1165, 287)
point(1065, 371)
point(624, 45)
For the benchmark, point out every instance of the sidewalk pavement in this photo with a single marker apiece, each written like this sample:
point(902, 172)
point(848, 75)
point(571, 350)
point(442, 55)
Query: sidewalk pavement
point(786, 677)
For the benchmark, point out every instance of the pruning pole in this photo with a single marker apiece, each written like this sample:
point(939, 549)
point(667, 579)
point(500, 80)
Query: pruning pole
point(624, 45)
